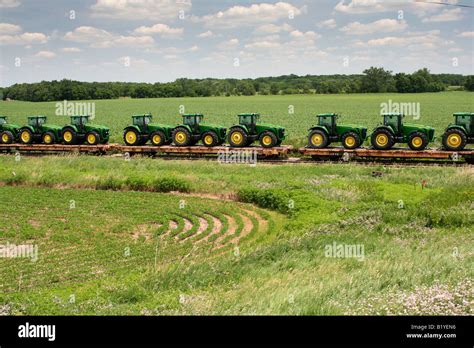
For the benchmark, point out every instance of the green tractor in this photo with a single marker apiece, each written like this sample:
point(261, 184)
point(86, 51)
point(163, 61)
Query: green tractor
point(327, 130)
point(8, 132)
point(250, 129)
point(143, 130)
point(80, 131)
point(38, 131)
point(459, 133)
point(192, 130)
point(393, 131)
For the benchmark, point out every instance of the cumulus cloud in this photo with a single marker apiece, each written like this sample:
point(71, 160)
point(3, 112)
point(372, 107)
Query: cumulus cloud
point(162, 29)
point(9, 3)
point(376, 6)
point(140, 9)
point(256, 14)
point(45, 54)
point(100, 38)
point(206, 34)
point(71, 49)
point(330, 23)
point(447, 15)
point(380, 26)
point(273, 28)
point(7, 28)
point(23, 39)
point(466, 34)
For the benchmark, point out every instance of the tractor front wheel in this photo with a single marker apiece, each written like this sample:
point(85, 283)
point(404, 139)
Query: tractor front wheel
point(417, 141)
point(181, 137)
point(69, 136)
point(157, 138)
point(92, 138)
point(131, 137)
point(454, 139)
point(268, 139)
point(210, 139)
point(26, 136)
point(48, 138)
point(318, 139)
point(382, 139)
point(6, 137)
point(238, 138)
point(350, 140)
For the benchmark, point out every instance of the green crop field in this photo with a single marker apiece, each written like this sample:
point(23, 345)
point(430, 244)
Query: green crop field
point(295, 112)
point(151, 237)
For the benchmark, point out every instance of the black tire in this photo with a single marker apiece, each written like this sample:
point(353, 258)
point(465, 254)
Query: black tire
point(73, 136)
point(96, 136)
point(132, 137)
point(350, 140)
point(236, 134)
point(157, 138)
point(389, 137)
point(30, 140)
point(187, 137)
point(264, 139)
point(417, 141)
point(279, 142)
point(6, 137)
point(50, 134)
point(315, 135)
point(210, 139)
point(449, 145)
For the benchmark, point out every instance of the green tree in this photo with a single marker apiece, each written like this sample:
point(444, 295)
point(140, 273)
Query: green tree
point(377, 80)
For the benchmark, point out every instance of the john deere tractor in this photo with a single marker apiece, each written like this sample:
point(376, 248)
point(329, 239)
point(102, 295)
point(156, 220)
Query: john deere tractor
point(459, 133)
point(8, 132)
point(393, 131)
point(80, 131)
point(250, 129)
point(192, 130)
point(143, 130)
point(38, 131)
point(327, 130)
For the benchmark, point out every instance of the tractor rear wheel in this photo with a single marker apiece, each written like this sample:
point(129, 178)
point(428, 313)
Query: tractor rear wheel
point(238, 137)
point(268, 139)
point(131, 137)
point(382, 139)
point(417, 141)
point(350, 140)
point(454, 139)
point(69, 136)
point(318, 139)
point(26, 136)
point(6, 137)
point(181, 137)
point(92, 138)
point(48, 138)
point(157, 138)
point(210, 139)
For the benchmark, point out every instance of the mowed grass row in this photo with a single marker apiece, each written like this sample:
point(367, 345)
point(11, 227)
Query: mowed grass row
point(417, 239)
point(295, 112)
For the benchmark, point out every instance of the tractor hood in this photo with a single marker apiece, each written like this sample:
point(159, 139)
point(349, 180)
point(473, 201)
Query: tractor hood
point(211, 125)
point(159, 125)
point(10, 126)
point(269, 125)
point(417, 126)
point(96, 126)
point(354, 126)
point(52, 126)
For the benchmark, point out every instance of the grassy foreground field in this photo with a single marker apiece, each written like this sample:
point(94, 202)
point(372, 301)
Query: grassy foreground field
point(149, 236)
point(295, 112)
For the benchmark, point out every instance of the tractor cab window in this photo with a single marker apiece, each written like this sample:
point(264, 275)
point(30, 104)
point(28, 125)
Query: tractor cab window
point(139, 121)
point(36, 121)
point(2, 121)
point(327, 121)
point(146, 120)
point(246, 119)
point(192, 120)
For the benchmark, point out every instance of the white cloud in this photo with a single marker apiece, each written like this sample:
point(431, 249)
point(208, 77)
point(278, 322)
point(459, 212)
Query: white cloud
point(23, 39)
point(466, 34)
point(7, 28)
point(447, 15)
point(304, 35)
point(377, 6)
point(273, 28)
point(229, 44)
point(206, 34)
point(9, 3)
point(45, 54)
point(380, 26)
point(330, 23)
point(140, 9)
point(256, 14)
point(161, 29)
point(100, 38)
point(71, 49)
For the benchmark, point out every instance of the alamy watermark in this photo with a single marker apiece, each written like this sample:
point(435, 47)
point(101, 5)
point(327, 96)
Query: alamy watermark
point(233, 156)
point(67, 108)
point(345, 251)
point(16, 251)
point(408, 109)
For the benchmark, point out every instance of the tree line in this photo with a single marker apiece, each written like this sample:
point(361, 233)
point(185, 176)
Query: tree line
point(373, 80)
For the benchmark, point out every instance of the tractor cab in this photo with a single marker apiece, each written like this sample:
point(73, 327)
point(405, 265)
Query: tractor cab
point(79, 120)
point(36, 121)
point(328, 121)
point(249, 119)
point(142, 120)
point(394, 121)
point(465, 120)
point(193, 120)
point(3, 120)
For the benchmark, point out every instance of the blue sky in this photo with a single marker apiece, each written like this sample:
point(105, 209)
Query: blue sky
point(161, 40)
